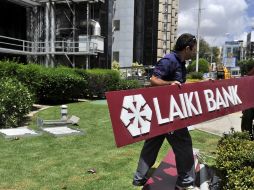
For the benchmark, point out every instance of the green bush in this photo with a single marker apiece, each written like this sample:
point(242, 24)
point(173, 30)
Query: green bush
point(241, 179)
point(235, 156)
point(50, 85)
point(59, 84)
point(195, 75)
point(127, 84)
point(246, 66)
point(15, 102)
point(55, 85)
point(203, 66)
point(8, 68)
point(99, 81)
point(31, 76)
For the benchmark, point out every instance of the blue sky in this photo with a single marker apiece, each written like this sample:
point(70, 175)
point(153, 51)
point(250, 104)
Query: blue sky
point(250, 8)
point(221, 20)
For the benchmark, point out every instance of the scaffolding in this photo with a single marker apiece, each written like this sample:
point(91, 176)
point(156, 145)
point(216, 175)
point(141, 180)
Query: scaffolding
point(52, 31)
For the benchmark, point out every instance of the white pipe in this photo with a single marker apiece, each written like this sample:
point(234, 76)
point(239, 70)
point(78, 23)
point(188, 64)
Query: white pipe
point(96, 26)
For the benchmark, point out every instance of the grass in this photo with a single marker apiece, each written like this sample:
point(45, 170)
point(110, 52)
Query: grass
point(50, 163)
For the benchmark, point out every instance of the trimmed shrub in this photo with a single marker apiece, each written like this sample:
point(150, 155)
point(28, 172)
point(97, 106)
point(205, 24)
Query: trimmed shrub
point(55, 85)
point(99, 81)
point(235, 157)
point(15, 102)
point(195, 75)
point(50, 85)
point(127, 84)
point(241, 179)
point(58, 84)
point(8, 68)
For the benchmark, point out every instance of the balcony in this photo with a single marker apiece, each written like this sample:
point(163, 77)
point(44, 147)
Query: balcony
point(29, 3)
point(85, 46)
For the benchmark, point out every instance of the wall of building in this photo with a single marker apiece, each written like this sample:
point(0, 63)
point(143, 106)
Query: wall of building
point(250, 45)
point(167, 26)
point(139, 30)
point(122, 46)
point(153, 33)
point(146, 30)
point(232, 53)
point(12, 24)
point(150, 32)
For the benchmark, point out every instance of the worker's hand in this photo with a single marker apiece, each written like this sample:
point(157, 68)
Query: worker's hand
point(176, 83)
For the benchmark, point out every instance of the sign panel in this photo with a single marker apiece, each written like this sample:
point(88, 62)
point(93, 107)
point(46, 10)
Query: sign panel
point(140, 114)
point(229, 61)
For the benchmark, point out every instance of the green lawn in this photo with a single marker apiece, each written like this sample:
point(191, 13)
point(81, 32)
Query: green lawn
point(47, 162)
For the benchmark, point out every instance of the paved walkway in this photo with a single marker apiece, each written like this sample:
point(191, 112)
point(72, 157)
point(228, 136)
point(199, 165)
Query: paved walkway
point(221, 125)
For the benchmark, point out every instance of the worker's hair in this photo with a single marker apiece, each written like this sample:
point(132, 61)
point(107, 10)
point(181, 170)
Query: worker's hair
point(185, 40)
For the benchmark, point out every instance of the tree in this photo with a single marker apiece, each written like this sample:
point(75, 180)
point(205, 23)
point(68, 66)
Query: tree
point(203, 66)
point(211, 54)
point(204, 50)
point(246, 66)
point(215, 55)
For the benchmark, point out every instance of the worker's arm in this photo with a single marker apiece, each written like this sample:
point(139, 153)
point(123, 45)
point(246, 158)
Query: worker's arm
point(155, 81)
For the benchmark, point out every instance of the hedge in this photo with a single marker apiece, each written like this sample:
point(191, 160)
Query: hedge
point(127, 84)
point(15, 102)
point(235, 161)
point(55, 85)
point(99, 81)
point(195, 75)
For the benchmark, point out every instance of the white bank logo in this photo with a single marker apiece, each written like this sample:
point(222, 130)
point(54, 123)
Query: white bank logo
point(136, 115)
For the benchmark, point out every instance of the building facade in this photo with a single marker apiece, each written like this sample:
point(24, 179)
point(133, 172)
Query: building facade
point(250, 45)
point(51, 32)
point(143, 30)
point(87, 33)
point(233, 52)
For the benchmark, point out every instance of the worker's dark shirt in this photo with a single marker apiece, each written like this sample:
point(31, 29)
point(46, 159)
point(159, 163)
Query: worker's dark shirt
point(170, 68)
point(251, 72)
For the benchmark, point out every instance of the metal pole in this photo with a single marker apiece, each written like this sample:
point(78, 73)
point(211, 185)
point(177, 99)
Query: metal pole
point(74, 34)
point(47, 34)
point(53, 32)
point(211, 55)
point(87, 35)
point(199, 15)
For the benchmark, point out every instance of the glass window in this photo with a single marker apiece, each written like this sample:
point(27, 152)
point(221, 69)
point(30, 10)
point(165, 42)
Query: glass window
point(116, 24)
point(116, 56)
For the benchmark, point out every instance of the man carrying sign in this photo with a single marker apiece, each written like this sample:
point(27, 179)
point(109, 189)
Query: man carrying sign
point(171, 70)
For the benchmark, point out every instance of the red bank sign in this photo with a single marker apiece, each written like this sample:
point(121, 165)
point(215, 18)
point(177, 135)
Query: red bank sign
point(140, 114)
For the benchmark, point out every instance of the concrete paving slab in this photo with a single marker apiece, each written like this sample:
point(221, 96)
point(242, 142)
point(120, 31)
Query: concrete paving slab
point(20, 131)
point(221, 125)
point(62, 130)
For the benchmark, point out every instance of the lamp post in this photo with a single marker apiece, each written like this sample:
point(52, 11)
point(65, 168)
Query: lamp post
point(199, 15)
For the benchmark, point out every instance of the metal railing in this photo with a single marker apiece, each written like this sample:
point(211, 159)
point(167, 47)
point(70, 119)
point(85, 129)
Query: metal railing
point(18, 46)
point(140, 73)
